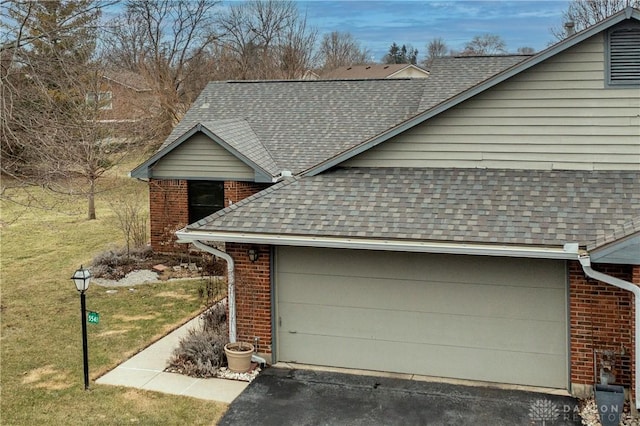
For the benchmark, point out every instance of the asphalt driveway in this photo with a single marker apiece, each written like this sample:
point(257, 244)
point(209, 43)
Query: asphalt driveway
point(303, 397)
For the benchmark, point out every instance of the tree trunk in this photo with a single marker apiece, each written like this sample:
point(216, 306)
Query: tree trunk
point(92, 202)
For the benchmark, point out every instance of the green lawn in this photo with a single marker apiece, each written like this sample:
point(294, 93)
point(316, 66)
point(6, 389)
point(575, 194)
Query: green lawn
point(41, 342)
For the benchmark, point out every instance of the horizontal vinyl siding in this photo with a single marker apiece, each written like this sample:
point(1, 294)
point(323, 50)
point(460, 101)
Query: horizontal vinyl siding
point(556, 115)
point(201, 158)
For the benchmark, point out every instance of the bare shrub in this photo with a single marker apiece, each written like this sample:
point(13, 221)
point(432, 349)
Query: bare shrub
point(132, 217)
point(201, 351)
point(114, 264)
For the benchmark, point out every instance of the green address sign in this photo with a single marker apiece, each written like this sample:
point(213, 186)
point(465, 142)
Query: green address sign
point(93, 317)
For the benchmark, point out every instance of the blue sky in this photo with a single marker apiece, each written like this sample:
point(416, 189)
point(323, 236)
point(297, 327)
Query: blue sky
point(376, 24)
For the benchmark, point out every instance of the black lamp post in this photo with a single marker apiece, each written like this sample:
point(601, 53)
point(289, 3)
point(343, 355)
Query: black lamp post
point(81, 278)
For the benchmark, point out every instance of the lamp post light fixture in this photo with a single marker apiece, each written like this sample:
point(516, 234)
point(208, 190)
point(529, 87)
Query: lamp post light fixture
point(81, 278)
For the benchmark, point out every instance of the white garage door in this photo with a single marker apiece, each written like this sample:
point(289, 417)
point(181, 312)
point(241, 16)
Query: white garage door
point(470, 317)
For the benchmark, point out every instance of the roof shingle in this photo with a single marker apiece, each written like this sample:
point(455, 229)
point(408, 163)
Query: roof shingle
point(520, 207)
point(303, 123)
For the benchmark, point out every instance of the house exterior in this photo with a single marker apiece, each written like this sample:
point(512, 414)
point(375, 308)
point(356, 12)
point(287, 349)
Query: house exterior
point(122, 96)
point(482, 223)
point(375, 71)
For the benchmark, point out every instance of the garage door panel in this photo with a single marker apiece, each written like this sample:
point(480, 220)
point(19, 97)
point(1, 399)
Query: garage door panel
point(429, 360)
point(429, 328)
point(471, 317)
point(415, 266)
point(441, 296)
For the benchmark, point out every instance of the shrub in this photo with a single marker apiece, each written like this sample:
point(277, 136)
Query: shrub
point(201, 352)
point(132, 217)
point(116, 263)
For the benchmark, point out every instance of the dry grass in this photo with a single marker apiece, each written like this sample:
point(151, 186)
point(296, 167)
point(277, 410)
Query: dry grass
point(40, 343)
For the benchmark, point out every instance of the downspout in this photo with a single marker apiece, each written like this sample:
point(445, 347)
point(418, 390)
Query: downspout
point(231, 282)
point(585, 261)
point(231, 292)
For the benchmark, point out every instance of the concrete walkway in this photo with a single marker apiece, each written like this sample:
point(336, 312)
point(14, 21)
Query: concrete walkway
point(146, 371)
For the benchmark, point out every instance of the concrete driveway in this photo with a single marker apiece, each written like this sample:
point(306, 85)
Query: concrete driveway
point(282, 396)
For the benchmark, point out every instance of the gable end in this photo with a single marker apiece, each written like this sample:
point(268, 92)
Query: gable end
point(623, 56)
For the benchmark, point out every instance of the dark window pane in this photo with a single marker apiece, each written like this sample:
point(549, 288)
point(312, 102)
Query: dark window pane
point(205, 198)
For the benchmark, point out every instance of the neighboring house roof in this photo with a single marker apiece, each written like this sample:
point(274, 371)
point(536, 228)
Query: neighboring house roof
point(373, 71)
point(513, 207)
point(128, 79)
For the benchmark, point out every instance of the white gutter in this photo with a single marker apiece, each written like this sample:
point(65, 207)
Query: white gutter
point(585, 261)
point(231, 293)
point(568, 252)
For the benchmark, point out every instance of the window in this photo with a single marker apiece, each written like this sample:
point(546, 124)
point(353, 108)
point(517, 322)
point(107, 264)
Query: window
point(205, 198)
point(103, 99)
point(623, 56)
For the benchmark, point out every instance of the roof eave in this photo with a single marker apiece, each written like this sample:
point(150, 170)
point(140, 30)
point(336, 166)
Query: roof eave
point(565, 252)
point(559, 47)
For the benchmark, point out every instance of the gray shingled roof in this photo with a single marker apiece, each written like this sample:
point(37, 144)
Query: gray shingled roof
point(522, 207)
point(239, 135)
point(302, 123)
point(451, 75)
point(625, 230)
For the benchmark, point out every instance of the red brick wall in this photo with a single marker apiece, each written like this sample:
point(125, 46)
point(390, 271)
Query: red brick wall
point(602, 318)
point(169, 212)
point(253, 294)
point(169, 208)
point(236, 191)
point(635, 278)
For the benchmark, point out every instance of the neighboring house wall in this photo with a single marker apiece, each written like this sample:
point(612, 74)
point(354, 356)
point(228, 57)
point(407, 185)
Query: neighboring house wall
point(201, 158)
point(556, 115)
point(410, 73)
point(602, 319)
point(253, 294)
point(127, 104)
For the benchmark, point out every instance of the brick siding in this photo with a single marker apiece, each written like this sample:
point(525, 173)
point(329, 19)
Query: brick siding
point(169, 208)
point(235, 191)
point(253, 294)
point(601, 315)
point(602, 319)
point(635, 278)
point(169, 212)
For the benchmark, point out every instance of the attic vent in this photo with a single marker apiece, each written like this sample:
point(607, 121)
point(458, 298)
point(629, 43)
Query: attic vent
point(624, 56)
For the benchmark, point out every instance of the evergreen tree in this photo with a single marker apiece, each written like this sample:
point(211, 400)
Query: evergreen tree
point(401, 55)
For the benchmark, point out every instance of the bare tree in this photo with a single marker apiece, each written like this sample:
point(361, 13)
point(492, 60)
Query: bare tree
point(164, 41)
point(526, 50)
point(338, 49)
point(265, 39)
point(585, 13)
point(436, 48)
point(295, 49)
point(485, 44)
point(50, 135)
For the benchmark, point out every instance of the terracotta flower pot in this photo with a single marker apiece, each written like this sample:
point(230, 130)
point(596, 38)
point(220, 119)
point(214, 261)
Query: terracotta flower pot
point(238, 356)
